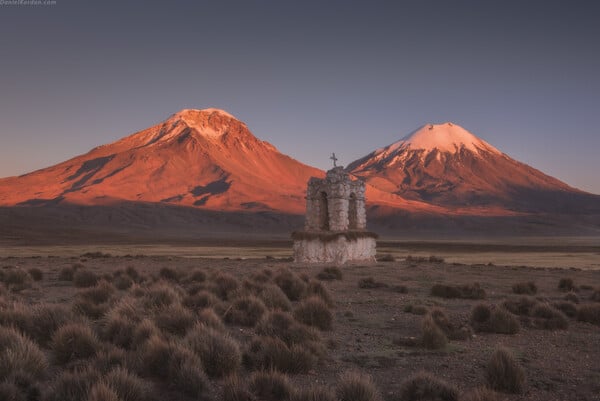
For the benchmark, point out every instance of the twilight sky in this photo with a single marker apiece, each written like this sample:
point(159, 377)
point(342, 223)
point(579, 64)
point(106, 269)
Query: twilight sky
point(311, 77)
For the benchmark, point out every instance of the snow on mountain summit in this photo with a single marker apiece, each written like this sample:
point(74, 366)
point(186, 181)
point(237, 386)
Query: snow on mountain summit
point(447, 137)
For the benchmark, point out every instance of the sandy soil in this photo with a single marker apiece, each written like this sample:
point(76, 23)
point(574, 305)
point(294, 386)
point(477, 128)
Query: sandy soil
point(559, 365)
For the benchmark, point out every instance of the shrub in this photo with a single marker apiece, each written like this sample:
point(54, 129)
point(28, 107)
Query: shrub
point(423, 386)
point(520, 306)
point(416, 309)
point(503, 372)
point(283, 326)
point(74, 341)
point(84, 278)
point(314, 312)
point(175, 319)
point(566, 307)
point(245, 311)
point(220, 354)
point(369, 282)
point(185, 373)
point(432, 337)
point(493, 320)
point(292, 285)
point(202, 299)
point(268, 353)
point(274, 298)
point(465, 291)
point(330, 273)
point(127, 386)
point(566, 284)
point(48, 318)
point(589, 313)
point(546, 317)
point(528, 288)
point(36, 274)
point(73, 385)
point(356, 386)
point(224, 284)
point(269, 386)
point(318, 289)
point(18, 354)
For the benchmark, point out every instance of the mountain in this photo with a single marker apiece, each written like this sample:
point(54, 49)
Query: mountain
point(446, 165)
point(200, 158)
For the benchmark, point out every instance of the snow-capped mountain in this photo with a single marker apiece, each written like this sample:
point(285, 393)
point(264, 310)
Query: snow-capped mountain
point(446, 165)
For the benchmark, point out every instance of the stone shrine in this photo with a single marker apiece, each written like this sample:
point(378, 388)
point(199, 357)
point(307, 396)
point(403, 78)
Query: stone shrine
point(336, 221)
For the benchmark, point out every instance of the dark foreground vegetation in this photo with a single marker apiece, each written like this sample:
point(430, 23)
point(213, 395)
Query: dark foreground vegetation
point(151, 328)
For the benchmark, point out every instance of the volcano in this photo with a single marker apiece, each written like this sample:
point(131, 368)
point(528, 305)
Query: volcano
point(200, 158)
point(446, 165)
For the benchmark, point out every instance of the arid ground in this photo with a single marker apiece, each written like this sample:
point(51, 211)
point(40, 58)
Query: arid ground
point(378, 315)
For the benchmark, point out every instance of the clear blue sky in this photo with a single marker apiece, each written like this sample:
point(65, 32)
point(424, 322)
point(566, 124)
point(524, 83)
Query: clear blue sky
point(311, 77)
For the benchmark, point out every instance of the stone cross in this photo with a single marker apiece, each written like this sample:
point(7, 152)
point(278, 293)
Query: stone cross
point(334, 159)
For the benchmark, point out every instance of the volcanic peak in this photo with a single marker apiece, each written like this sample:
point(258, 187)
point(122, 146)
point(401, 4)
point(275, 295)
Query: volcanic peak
point(446, 137)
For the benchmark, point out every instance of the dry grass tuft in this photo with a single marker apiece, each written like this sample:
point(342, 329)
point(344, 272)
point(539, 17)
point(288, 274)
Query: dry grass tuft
point(185, 373)
point(493, 319)
point(36, 274)
point(571, 297)
point(175, 319)
point(566, 307)
point(528, 288)
point(48, 318)
point(224, 284)
point(245, 311)
point(126, 385)
point(202, 299)
point(268, 353)
point(117, 330)
point(20, 355)
point(85, 278)
point(144, 331)
point(432, 336)
point(269, 386)
point(123, 282)
point(423, 386)
point(415, 309)
point(330, 273)
point(520, 306)
point(220, 354)
point(465, 291)
point(99, 293)
point(504, 373)
point(480, 394)
point(314, 312)
point(160, 295)
point(235, 389)
point(318, 289)
point(314, 393)
point(72, 385)
point(566, 284)
point(74, 341)
point(168, 274)
point(101, 392)
point(209, 318)
point(356, 386)
point(546, 317)
point(292, 285)
point(67, 272)
point(589, 313)
point(274, 298)
point(16, 279)
point(283, 326)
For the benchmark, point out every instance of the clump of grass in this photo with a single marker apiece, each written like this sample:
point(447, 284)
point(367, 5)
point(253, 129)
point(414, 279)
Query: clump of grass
point(283, 326)
point(20, 386)
point(36, 274)
point(504, 373)
point(415, 309)
point(314, 312)
point(202, 299)
point(126, 385)
point(330, 273)
point(185, 373)
point(99, 293)
point(153, 356)
point(197, 276)
point(370, 283)
point(17, 315)
point(432, 336)
point(245, 311)
point(73, 385)
point(571, 297)
point(224, 284)
point(168, 274)
point(85, 278)
point(18, 354)
point(451, 330)
point(160, 295)
point(528, 288)
point(118, 330)
point(90, 309)
point(133, 273)
point(423, 386)
point(493, 320)
point(566, 307)
point(292, 285)
point(110, 357)
point(268, 353)
point(465, 291)
point(67, 272)
point(209, 318)
point(274, 298)
point(143, 331)
point(269, 386)
point(123, 282)
point(595, 297)
point(101, 392)
point(47, 319)
point(174, 319)
point(16, 279)
point(220, 354)
point(520, 306)
point(74, 341)
point(356, 386)
point(566, 284)
point(546, 317)
point(316, 288)
point(589, 313)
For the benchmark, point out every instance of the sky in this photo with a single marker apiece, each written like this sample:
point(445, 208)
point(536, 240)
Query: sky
point(310, 77)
